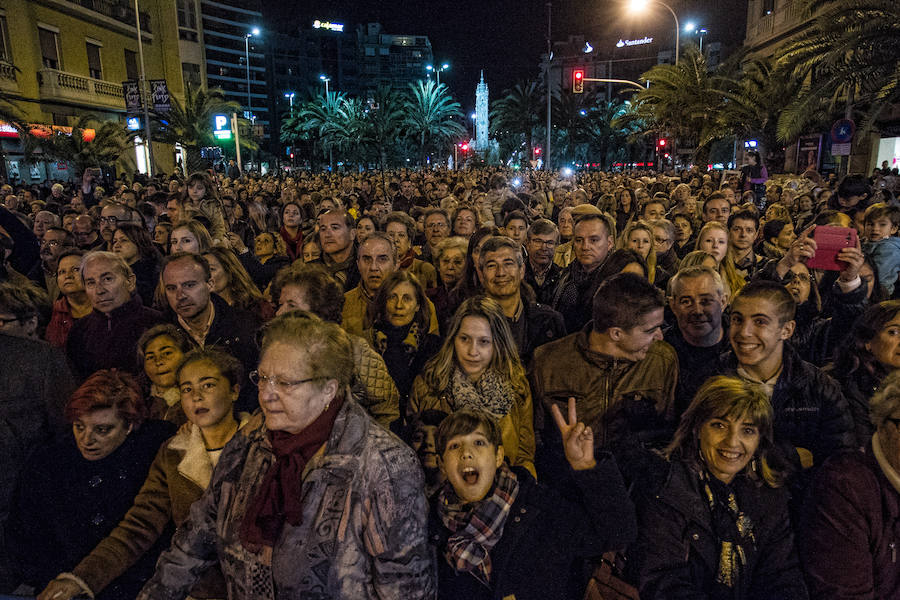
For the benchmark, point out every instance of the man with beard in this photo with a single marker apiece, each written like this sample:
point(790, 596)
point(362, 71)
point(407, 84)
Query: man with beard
point(55, 241)
point(503, 273)
point(111, 216)
point(697, 300)
point(207, 319)
point(541, 273)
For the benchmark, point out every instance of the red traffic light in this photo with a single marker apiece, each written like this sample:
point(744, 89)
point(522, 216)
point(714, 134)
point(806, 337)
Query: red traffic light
point(578, 81)
point(464, 146)
point(537, 151)
point(661, 142)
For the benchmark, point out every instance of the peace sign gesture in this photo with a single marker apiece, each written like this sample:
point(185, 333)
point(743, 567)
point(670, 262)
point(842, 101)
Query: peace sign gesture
point(577, 438)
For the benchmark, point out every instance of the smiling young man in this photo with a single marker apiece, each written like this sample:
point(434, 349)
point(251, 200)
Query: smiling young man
point(811, 416)
point(620, 372)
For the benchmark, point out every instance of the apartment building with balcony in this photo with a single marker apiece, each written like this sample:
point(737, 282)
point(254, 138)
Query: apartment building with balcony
point(61, 59)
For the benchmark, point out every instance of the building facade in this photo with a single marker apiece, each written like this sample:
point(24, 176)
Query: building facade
point(390, 59)
point(69, 59)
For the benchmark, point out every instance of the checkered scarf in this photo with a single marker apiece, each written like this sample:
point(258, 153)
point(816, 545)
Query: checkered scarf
point(475, 528)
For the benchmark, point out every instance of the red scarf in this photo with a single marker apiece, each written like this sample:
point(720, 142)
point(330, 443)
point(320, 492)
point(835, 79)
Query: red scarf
point(279, 497)
point(294, 245)
point(407, 259)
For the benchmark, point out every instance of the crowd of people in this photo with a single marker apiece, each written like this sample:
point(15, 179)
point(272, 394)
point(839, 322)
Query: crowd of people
point(464, 384)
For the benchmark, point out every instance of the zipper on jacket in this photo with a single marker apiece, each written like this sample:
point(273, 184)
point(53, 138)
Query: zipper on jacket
point(893, 547)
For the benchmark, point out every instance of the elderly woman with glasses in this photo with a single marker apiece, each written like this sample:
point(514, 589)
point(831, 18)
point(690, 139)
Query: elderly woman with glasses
point(852, 520)
point(312, 498)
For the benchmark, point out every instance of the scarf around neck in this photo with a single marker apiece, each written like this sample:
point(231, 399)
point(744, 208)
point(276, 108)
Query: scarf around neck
point(279, 496)
point(732, 527)
point(491, 393)
point(477, 527)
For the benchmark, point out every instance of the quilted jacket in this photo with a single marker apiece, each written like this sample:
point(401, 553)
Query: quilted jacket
point(372, 385)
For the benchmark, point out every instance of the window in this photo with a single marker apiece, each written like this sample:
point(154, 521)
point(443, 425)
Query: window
point(95, 69)
point(49, 48)
point(190, 72)
point(187, 20)
point(131, 70)
point(5, 54)
point(768, 6)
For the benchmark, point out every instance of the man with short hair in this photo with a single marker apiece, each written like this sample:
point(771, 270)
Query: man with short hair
point(206, 319)
point(55, 241)
point(716, 208)
point(654, 210)
point(503, 273)
point(107, 337)
point(85, 233)
point(336, 236)
point(437, 227)
point(743, 227)
point(407, 197)
point(593, 239)
point(697, 300)
point(375, 259)
point(516, 227)
point(541, 273)
point(401, 229)
point(620, 372)
point(811, 416)
point(111, 216)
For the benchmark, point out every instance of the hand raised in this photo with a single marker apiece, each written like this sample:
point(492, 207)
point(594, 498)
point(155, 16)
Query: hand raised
point(577, 438)
point(60, 589)
point(803, 248)
point(854, 258)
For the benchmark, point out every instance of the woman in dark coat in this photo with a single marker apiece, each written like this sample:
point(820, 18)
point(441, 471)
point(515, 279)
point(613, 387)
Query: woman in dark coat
point(400, 319)
point(501, 535)
point(133, 243)
point(74, 492)
point(713, 522)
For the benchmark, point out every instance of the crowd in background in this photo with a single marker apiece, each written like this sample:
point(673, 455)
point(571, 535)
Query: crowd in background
point(453, 384)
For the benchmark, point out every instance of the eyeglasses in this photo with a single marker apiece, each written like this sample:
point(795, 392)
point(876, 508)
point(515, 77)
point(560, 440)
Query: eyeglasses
point(281, 384)
point(542, 243)
point(436, 225)
point(111, 220)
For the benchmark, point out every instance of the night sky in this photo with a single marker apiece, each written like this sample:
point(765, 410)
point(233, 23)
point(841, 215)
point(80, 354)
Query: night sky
point(504, 37)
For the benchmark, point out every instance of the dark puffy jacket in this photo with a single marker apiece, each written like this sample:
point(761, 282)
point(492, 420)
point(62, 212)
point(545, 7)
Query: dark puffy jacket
point(677, 553)
point(809, 408)
point(544, 534)
point(538, 325)
point(851, 530)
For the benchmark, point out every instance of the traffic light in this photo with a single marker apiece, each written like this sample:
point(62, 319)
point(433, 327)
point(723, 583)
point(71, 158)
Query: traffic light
point(537, 151)
point(465, 147)
point(661, 143)
point(578, 81)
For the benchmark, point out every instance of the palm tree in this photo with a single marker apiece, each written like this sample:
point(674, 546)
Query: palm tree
point(683, 101)
point(519, 112)
point(609, 138)
point(105, 148)
point(571, 122)
point(386, 118)
point(848, 61)
point(430, 113)
point(317, 118)
point(191, 123)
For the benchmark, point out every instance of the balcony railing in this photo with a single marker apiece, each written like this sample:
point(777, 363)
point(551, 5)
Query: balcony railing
point(8, 81)
point(789, 15)
point(69, 87)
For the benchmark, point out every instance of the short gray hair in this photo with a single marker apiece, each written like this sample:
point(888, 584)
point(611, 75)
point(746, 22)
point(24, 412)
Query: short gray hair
point(118, 262)
point(693, 273)
point(886, 400)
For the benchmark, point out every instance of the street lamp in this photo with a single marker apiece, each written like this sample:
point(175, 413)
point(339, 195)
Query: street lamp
point(247, 37)
point(290, 97)
point(437, 71)
point(326, 79)
point(637, 6)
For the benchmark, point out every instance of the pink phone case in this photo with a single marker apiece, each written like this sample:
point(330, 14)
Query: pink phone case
point(829, 241)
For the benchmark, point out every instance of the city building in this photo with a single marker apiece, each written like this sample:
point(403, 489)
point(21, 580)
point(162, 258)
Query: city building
point(235, 44)
point(69, 59)
point(389, 59)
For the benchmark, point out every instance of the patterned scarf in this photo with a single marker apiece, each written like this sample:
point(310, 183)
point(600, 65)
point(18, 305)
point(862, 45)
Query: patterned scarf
point(491, 393)
point(475, 528)
point(410, 341)
point(407, 259)
point(732, 527)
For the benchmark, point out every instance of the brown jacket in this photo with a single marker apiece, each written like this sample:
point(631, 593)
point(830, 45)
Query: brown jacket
point(620, 400)
point(178, 476)
point(516, 427)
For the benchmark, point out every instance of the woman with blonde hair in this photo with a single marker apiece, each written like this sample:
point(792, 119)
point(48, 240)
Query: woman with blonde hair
point(189, 236)
point(713, 238)
point(713, 519)
point(232, 282)
point(478, 367)
point(638, 236)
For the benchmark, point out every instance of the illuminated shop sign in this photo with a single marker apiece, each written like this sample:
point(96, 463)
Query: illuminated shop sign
point(339, 27)
point(640, 42)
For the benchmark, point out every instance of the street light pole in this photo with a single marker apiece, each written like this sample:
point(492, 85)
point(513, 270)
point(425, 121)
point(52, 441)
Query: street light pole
point(145, 93)
point(637, 5)
point(547, 80)
point(326, 80)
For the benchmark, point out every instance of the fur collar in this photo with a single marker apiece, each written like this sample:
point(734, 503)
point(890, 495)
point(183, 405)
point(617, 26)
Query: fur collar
point(195, 465)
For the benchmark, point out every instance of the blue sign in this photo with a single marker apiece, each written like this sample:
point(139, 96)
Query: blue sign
point(221, 127)
point(133, 123)
point(842, 131)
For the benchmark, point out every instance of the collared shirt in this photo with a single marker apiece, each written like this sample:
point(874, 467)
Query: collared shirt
point(199, 336)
